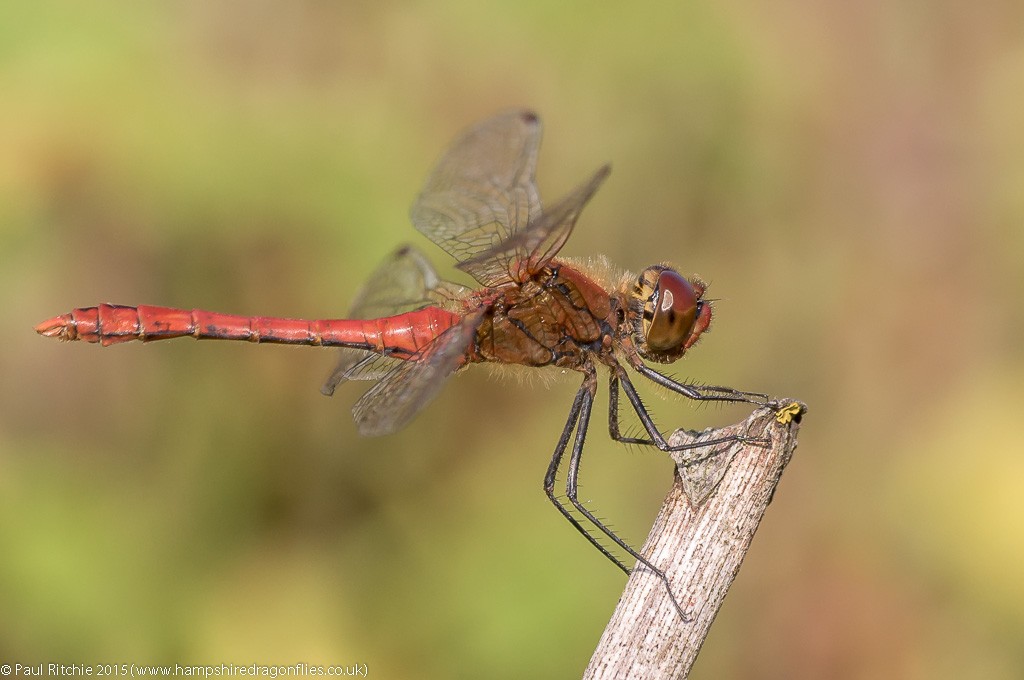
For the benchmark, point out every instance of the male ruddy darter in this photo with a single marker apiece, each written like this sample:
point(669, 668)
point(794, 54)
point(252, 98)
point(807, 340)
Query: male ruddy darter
point(409, 330)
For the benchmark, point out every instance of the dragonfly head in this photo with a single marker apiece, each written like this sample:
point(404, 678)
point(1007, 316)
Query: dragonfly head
point(669, 313)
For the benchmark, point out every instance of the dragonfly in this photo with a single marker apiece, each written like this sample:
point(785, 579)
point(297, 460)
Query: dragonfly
point(408, 329)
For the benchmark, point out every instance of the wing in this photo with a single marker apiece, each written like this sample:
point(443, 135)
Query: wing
point(403, 282)
point(529, 249)
point(482, 191)
point(410, 385)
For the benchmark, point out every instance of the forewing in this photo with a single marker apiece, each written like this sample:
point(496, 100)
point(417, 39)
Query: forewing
point(400, 394)
point(482, 191)
point(529, 249)
point(403, 282)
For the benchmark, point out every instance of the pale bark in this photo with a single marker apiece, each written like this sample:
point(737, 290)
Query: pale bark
point(699, 540)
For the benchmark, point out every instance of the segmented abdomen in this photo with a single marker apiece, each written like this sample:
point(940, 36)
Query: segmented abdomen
point(403, 335)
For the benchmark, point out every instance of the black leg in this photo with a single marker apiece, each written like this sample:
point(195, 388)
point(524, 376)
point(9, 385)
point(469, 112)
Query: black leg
point(613, 415)
point(582, 407)
point(589, 383)
point(701, 392)
point(656, 438)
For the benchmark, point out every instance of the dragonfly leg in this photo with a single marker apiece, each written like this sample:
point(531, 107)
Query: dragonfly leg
point(556, 462)
point(580, 418)
point(613, 415)
point(655, 437)
point(701, 392)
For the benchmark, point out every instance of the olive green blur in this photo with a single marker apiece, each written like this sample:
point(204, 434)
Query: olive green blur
point(848, 177)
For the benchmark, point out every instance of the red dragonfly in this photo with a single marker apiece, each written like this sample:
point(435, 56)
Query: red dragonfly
point(409, 330)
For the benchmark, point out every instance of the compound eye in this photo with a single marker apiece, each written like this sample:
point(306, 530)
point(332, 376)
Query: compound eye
point(675, 310)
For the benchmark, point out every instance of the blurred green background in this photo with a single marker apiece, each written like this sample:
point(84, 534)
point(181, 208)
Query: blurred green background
point(848, 176)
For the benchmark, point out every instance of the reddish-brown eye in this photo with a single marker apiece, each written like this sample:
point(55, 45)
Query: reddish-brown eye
point(675, 310)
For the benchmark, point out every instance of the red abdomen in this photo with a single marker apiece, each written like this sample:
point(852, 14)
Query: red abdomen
point(403, 335)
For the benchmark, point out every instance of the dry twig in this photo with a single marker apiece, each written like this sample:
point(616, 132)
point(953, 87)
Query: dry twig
point(699, 539)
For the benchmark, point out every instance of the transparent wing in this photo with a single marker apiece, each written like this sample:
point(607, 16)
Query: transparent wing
point(529, 249)
point(410, 385)
point(356, 364)
point(482, 191)
point(403, 282)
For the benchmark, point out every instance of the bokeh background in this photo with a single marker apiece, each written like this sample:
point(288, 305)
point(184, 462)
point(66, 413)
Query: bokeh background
point(848, 176)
